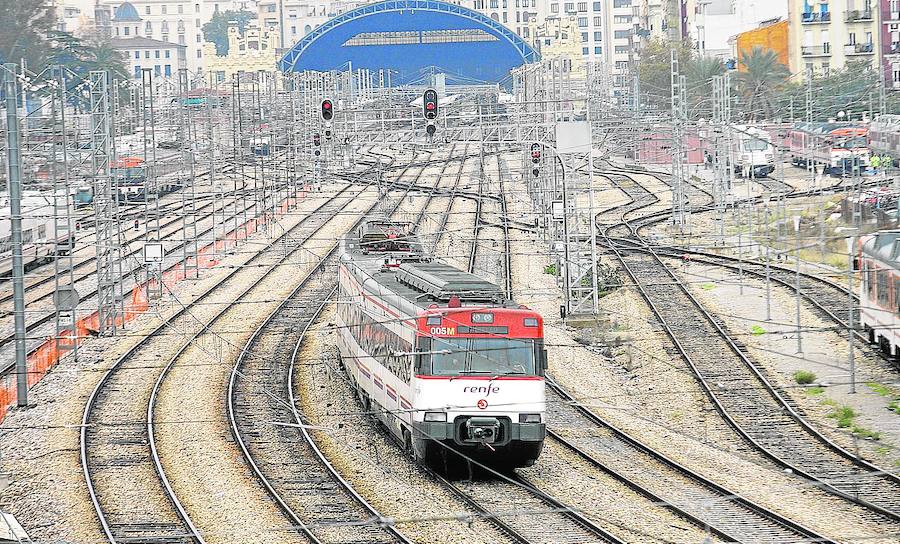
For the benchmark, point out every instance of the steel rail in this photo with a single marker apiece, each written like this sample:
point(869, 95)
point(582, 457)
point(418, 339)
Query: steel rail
point(95, 394)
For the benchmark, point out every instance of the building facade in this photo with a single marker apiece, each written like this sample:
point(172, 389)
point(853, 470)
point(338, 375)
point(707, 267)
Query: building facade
point(770, 35)
point(889, 46)
point(829, 34)
point(163, 58)
point(711, 23)
point(173, 21)
point(254, 49)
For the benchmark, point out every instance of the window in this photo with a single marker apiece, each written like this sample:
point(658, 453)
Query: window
point(181, 39)
point(197, 8)
point(869, 38)
point(137, 54)
point(597, 21)
point(146, 53)
point(157, 70)
point(584, 50)
point(826, 69)
point(505, 2)
point(199, 54)
point(293, 30)
point(128, 31)
point(168, 54)
point(895, 6)
point(504, 16)
point(199, 38)
point(180, 25)
point(156, 54)
point(621, 34)
point(137, 71)
point(197, 23)
point(525, 32)
point(27, 236)
point(622, 19)
point(621, 65)
point(582, 22)
point(582, 7)
point(852, 39)
point(597, 36)
point(164, 28)
point(270, 9)
point(598, 50)
point(216, 8)
point(584, 37)
point(518, 17)
point(554, 8)
point(621, 3)
point(494, 4)
point(147, 10)
point(570, 7)
point(180, 9)
point(168, 70)
point(621, 49)
point(596, 6)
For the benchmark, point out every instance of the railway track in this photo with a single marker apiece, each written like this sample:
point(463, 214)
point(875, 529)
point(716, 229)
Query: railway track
point(662, 480)
point(747, 400)
point(323, 504)
point(130, 493)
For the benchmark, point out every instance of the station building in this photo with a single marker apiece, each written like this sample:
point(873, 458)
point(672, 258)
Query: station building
point(409, 37)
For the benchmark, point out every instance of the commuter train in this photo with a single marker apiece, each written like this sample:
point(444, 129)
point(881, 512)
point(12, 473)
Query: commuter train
point(448, 364)
point(876, 258)
point(751, 150)
point(884, 135)
point(38, 234)
point(836, 147)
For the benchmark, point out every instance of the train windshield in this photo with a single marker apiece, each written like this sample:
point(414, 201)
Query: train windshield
point(754, 144)
point(851, 143)
point(479, 356)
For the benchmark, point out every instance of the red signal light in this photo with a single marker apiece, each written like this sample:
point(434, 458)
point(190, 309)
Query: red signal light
point(327, 110)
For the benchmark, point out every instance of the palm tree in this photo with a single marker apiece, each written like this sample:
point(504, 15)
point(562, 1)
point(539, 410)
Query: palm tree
point(700, 73)
point(763, 75)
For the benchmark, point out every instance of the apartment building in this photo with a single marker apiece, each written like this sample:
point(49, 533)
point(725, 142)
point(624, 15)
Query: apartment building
point(174, 21)
point(163, 58)
point(825, 35)
point(889, 45)
point(712, 23)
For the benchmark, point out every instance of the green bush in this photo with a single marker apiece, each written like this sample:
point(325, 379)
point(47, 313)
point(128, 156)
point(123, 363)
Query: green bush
point(844, 416)
point(550, 269)
point(804, 377)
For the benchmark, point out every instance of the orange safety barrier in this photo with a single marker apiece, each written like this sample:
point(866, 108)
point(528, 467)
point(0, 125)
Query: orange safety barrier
point(45, 356)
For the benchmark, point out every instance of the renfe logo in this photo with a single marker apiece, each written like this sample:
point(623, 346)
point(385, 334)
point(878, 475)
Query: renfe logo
point(486, 390)
point(443, 331)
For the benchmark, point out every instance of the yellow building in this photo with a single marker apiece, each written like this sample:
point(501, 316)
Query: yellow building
point(769, 35)
point(255, 49)
point(559, 38)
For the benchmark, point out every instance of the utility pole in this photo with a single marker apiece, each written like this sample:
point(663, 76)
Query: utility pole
point(679, 217)
point(13, 158)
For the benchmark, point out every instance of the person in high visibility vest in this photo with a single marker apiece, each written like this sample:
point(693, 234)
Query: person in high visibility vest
point(875, 162)
point(886, 161)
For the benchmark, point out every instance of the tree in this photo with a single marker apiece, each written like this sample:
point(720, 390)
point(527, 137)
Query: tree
point(763, 76)
point(700, 74)
point(26, 24)
point(655, 70)
point(80, 56)
point(216, 30)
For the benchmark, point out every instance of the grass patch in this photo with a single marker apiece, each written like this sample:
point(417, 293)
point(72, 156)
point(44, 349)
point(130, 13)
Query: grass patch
point(756, 330)
point(882, 450)
point(815, 390)
point(894, 406)
point(879, 388)
point(843, 415)
point(804, 377)
point(862, 432)
point(707, 286)
point(550, 269)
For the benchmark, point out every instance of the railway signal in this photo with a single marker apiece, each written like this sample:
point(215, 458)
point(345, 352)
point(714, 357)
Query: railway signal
point(430, 104)
point(317, 142)
point(327, 110)
point(535, 158)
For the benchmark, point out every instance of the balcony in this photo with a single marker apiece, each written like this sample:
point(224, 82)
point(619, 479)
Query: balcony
point(811, 17)
point(816, 50)
point(862, 15)
point(859, 49)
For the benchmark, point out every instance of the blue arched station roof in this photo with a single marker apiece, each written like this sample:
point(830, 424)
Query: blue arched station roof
point(409, 35)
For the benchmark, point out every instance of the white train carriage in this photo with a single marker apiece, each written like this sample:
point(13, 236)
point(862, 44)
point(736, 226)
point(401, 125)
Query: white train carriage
point(38, 235)
point(878, 259)
point(438, 354)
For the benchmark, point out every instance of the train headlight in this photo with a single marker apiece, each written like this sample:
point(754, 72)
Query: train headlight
point(436, 417)
point(529, 418)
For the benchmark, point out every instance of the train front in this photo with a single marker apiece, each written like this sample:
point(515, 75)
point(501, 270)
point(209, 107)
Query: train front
point(479, 385)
